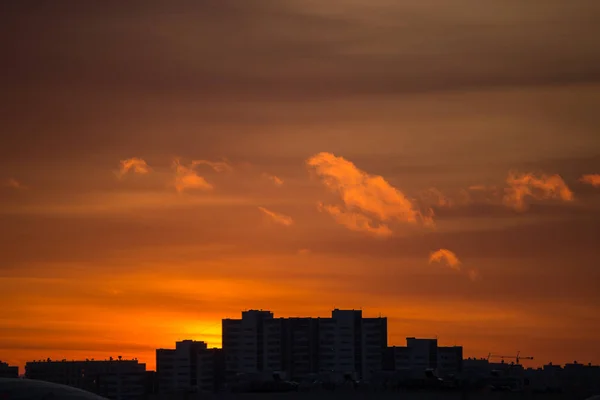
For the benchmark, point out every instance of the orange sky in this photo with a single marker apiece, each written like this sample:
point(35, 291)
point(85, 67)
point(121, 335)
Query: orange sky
point(158, 174)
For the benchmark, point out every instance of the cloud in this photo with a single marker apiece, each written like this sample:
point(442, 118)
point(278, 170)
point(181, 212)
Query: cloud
point(451, 260)
point(370, 203)
point(217, 166)
point(473, 274)
point(15, 184)
point(278, 218)
point(435, 197)
point(447, 257)
point(187, 178)
point(356, 221)
point(275, 179)
point(303, 252)
point(477, 188)
point(137, 165)
point(591, 179)
point(523, 185)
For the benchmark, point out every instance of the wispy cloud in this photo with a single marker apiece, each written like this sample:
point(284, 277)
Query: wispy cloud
point(591, 179)
point(370, 203)
point(473, 274)
point(15, 184)
point(303, 252)
point(217, 166)
point(523, 185)
point(277, 217)
point(433, 196)
point(477, 188)
point(275, 179)
point(187, 178)
point(355, 221)
point(449, 258)
point(137, 165)
point(446, 256)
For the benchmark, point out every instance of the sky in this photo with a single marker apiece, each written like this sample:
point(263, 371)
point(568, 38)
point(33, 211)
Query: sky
point(164, 165)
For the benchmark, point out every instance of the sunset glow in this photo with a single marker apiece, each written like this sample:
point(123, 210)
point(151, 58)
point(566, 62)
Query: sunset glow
point(160, 173)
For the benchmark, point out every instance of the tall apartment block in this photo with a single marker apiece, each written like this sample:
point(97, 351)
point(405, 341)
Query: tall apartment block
point(345, 344)
point(190, 367)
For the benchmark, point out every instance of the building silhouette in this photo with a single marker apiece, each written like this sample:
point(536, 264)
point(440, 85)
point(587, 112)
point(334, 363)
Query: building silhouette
point(190, 367)
point(115, 379)
point(345, 344)
point(421, 354)
point(7, 371)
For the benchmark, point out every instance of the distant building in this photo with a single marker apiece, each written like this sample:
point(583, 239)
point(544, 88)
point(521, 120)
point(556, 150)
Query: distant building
point(114, 379)
point(211, 370)
point(243, 342)
point(345, 344)
point(422, 354)
point(190, 367)
point(449, 360)
point(7, 371)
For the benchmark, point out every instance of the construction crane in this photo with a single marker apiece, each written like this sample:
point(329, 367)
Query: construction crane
point(517, 358)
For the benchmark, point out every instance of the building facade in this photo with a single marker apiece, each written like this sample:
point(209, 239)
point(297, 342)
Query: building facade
point(176, 369)
point(190, 367)
point(295, 348)
point(424, 354)
point(115, 379)
point(7, 371)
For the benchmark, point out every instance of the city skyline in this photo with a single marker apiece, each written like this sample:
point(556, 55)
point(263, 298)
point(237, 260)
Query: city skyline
point(492, 356)
point(165, 164)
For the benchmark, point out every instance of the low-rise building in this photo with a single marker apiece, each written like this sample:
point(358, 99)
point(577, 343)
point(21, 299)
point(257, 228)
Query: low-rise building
point(115, 379)
point(7, 371)
point(424, 354)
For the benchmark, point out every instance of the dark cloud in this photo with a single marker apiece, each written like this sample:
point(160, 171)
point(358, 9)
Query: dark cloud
point(299, 48)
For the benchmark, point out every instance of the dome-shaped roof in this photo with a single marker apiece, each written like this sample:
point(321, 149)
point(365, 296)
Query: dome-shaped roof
point(29, 389)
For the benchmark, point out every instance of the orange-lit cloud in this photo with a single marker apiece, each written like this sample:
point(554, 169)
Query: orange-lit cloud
point(369, 201)
point(523, 185)
point(591, 179)
point(477, 188)
point(217, 166)
point(137, 165)
point(304, 252)
point(473, 274)
point(451, 260)
point(277, 217)
point(435, 197)
point(15, 184)
point(187, 178)
point(356, 221)
point(275, 179)
point(446, 256)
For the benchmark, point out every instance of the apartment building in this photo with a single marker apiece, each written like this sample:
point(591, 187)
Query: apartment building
point(346, 344)
point(243, 342)
point(116, 379)
point(176, 369)
point(422, 354)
